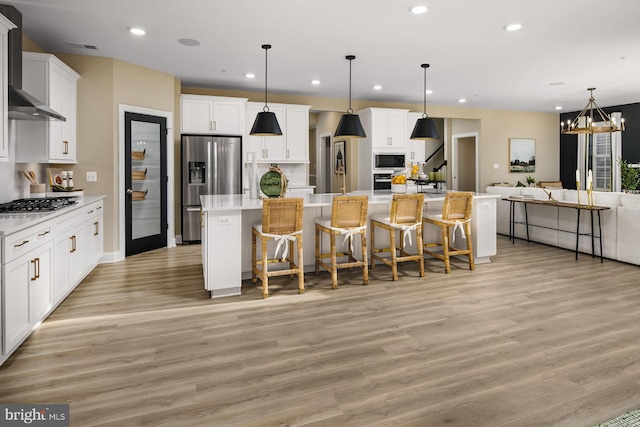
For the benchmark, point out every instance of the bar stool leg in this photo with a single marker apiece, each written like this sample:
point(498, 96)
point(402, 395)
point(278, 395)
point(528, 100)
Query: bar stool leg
point(392, 250)
point(467, 230)
point(300, 265)
point(445, 248)
point(365, 268)
point(317, 250)
point(420, 248)
point(263, 276)
point(373, 244)
point(254, 278)
point(334, 262)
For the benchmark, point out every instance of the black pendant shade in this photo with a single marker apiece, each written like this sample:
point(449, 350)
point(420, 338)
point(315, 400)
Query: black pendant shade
point(349, 125)
point(425, 128)
point(266, 123)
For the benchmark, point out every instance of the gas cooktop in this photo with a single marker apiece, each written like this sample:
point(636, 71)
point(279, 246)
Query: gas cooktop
point(36, 205)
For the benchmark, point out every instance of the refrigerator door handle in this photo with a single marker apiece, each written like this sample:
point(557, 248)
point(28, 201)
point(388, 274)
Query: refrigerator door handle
point(214, 165)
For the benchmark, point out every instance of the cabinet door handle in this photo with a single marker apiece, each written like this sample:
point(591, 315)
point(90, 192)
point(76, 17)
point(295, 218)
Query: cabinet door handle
point(65, 147)
point(44, 233)
point(287, 153)
point(214, 125)
point(97, 228)
point(36, 268)
point(73, 244)
point(24, 242)
point(267, 151)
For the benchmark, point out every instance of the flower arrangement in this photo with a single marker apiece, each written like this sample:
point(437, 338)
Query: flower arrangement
point(629, 176)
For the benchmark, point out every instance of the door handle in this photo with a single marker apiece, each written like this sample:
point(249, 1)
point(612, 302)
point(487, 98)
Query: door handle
point(129, 191)
point(73, 244)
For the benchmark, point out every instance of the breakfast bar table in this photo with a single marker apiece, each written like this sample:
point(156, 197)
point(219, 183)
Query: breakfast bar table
point(226, 222)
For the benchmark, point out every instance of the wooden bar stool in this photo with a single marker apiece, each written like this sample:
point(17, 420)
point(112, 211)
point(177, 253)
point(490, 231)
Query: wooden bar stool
point(348, 218)
point(282, 222)
point(405, 218)
point(456, 213)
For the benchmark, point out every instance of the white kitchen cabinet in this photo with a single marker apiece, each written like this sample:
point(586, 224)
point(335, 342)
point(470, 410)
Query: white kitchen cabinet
point(386, 128)
point(212, 114)
point(54, 83)
point(415, 148)
point(26, 282)
point(5, 26)
point(290, 147)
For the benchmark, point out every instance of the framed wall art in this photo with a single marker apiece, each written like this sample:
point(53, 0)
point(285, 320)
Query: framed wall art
point(522, 155)
point(339, 156)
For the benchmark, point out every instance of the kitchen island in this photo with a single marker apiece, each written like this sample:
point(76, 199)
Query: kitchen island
point(227, 221)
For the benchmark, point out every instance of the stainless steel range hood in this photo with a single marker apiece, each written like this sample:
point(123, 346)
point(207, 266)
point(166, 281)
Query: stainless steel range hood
point(22, 106)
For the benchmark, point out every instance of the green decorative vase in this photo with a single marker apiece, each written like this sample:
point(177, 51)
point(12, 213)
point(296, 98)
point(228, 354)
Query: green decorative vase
point(273, 183)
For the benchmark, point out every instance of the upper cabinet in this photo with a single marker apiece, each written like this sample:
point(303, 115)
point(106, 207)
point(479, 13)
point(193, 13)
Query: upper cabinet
point(5, 26)
point(51, 81)
point(290, 147)
point(386, 128)
point(212, 114)
point(416, 151)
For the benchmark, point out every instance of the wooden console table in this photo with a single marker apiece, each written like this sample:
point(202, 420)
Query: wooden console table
point(552, 203)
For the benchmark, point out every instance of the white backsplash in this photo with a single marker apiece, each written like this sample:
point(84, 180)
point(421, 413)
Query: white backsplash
point(296, 173)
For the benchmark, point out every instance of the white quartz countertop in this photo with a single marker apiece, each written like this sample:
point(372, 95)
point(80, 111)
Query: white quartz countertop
point(233, 202)
point(13, 222)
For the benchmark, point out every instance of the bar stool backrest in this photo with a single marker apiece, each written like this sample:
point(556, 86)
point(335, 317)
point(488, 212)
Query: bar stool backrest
point(349, 211)
point(457, 205)
point(406, 208)
point(282, 216)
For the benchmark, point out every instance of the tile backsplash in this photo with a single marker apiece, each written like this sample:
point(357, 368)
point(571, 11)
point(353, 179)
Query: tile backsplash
point(14, 185)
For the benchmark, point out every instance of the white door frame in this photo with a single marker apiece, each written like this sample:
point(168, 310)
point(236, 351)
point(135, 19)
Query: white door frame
point(454, 158)
point(321, 172)
point(121, 192)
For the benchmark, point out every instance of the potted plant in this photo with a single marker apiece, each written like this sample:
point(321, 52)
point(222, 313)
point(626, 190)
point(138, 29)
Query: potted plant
point(629, 176)
point(530, 180)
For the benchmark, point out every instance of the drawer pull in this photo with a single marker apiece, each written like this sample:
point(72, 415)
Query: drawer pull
point(97, 228)
point(24, 242)
point(44, 233)
point(90, 212)
point(99, 207)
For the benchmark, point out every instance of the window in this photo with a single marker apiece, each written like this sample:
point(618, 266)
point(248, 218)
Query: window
point(602, 161)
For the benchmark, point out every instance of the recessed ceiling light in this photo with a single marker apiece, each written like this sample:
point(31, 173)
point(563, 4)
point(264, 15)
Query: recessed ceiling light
point(558, 107)
point(137, 31)
point(189, 42)
point(556, 83)
point(315, 82)
point(512, 27)
point(250, 75)
point(377, 87)
point(418, 9)
point(462, 100)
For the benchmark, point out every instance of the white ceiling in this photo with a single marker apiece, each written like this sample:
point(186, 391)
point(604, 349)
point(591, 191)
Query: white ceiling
point(581, 43)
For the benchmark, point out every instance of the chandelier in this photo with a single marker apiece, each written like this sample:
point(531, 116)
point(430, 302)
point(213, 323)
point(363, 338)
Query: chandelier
point(584, 122)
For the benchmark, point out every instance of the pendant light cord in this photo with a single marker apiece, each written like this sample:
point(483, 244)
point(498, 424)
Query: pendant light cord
point(266, 48)
point(424, 112)
point(350, 58)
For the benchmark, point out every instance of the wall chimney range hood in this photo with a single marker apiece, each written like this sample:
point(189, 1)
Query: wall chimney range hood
point(22, 106)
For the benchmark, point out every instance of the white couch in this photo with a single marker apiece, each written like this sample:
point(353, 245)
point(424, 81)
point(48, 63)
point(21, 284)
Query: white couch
point(557, 226)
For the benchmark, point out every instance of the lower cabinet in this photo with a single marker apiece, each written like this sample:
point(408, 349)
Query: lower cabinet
point(42, 265)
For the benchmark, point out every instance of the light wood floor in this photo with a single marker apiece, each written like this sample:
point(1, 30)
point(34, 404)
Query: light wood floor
point(534, 338)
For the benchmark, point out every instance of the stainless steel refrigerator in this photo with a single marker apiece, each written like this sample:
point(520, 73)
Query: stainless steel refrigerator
point(211, 164)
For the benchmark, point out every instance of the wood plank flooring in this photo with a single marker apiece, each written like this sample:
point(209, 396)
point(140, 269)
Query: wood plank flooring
point(534, 338)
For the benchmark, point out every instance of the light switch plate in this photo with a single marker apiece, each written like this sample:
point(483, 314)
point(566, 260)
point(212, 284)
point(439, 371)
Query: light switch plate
point(496, 166)
point(92, 176)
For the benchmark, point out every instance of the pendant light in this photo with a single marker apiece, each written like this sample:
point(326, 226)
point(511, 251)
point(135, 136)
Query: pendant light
point(425, 128)
point(266, 123)
point(349, 125)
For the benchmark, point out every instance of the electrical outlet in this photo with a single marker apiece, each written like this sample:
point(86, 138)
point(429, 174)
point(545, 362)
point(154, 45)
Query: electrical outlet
point(496, 166)
point(224, 220)
point(92, 176)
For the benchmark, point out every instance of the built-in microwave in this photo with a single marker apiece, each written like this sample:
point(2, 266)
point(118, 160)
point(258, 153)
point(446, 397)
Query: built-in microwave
point(388, 161)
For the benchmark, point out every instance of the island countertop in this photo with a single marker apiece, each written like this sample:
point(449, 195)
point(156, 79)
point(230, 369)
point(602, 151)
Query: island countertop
point(234, 202)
